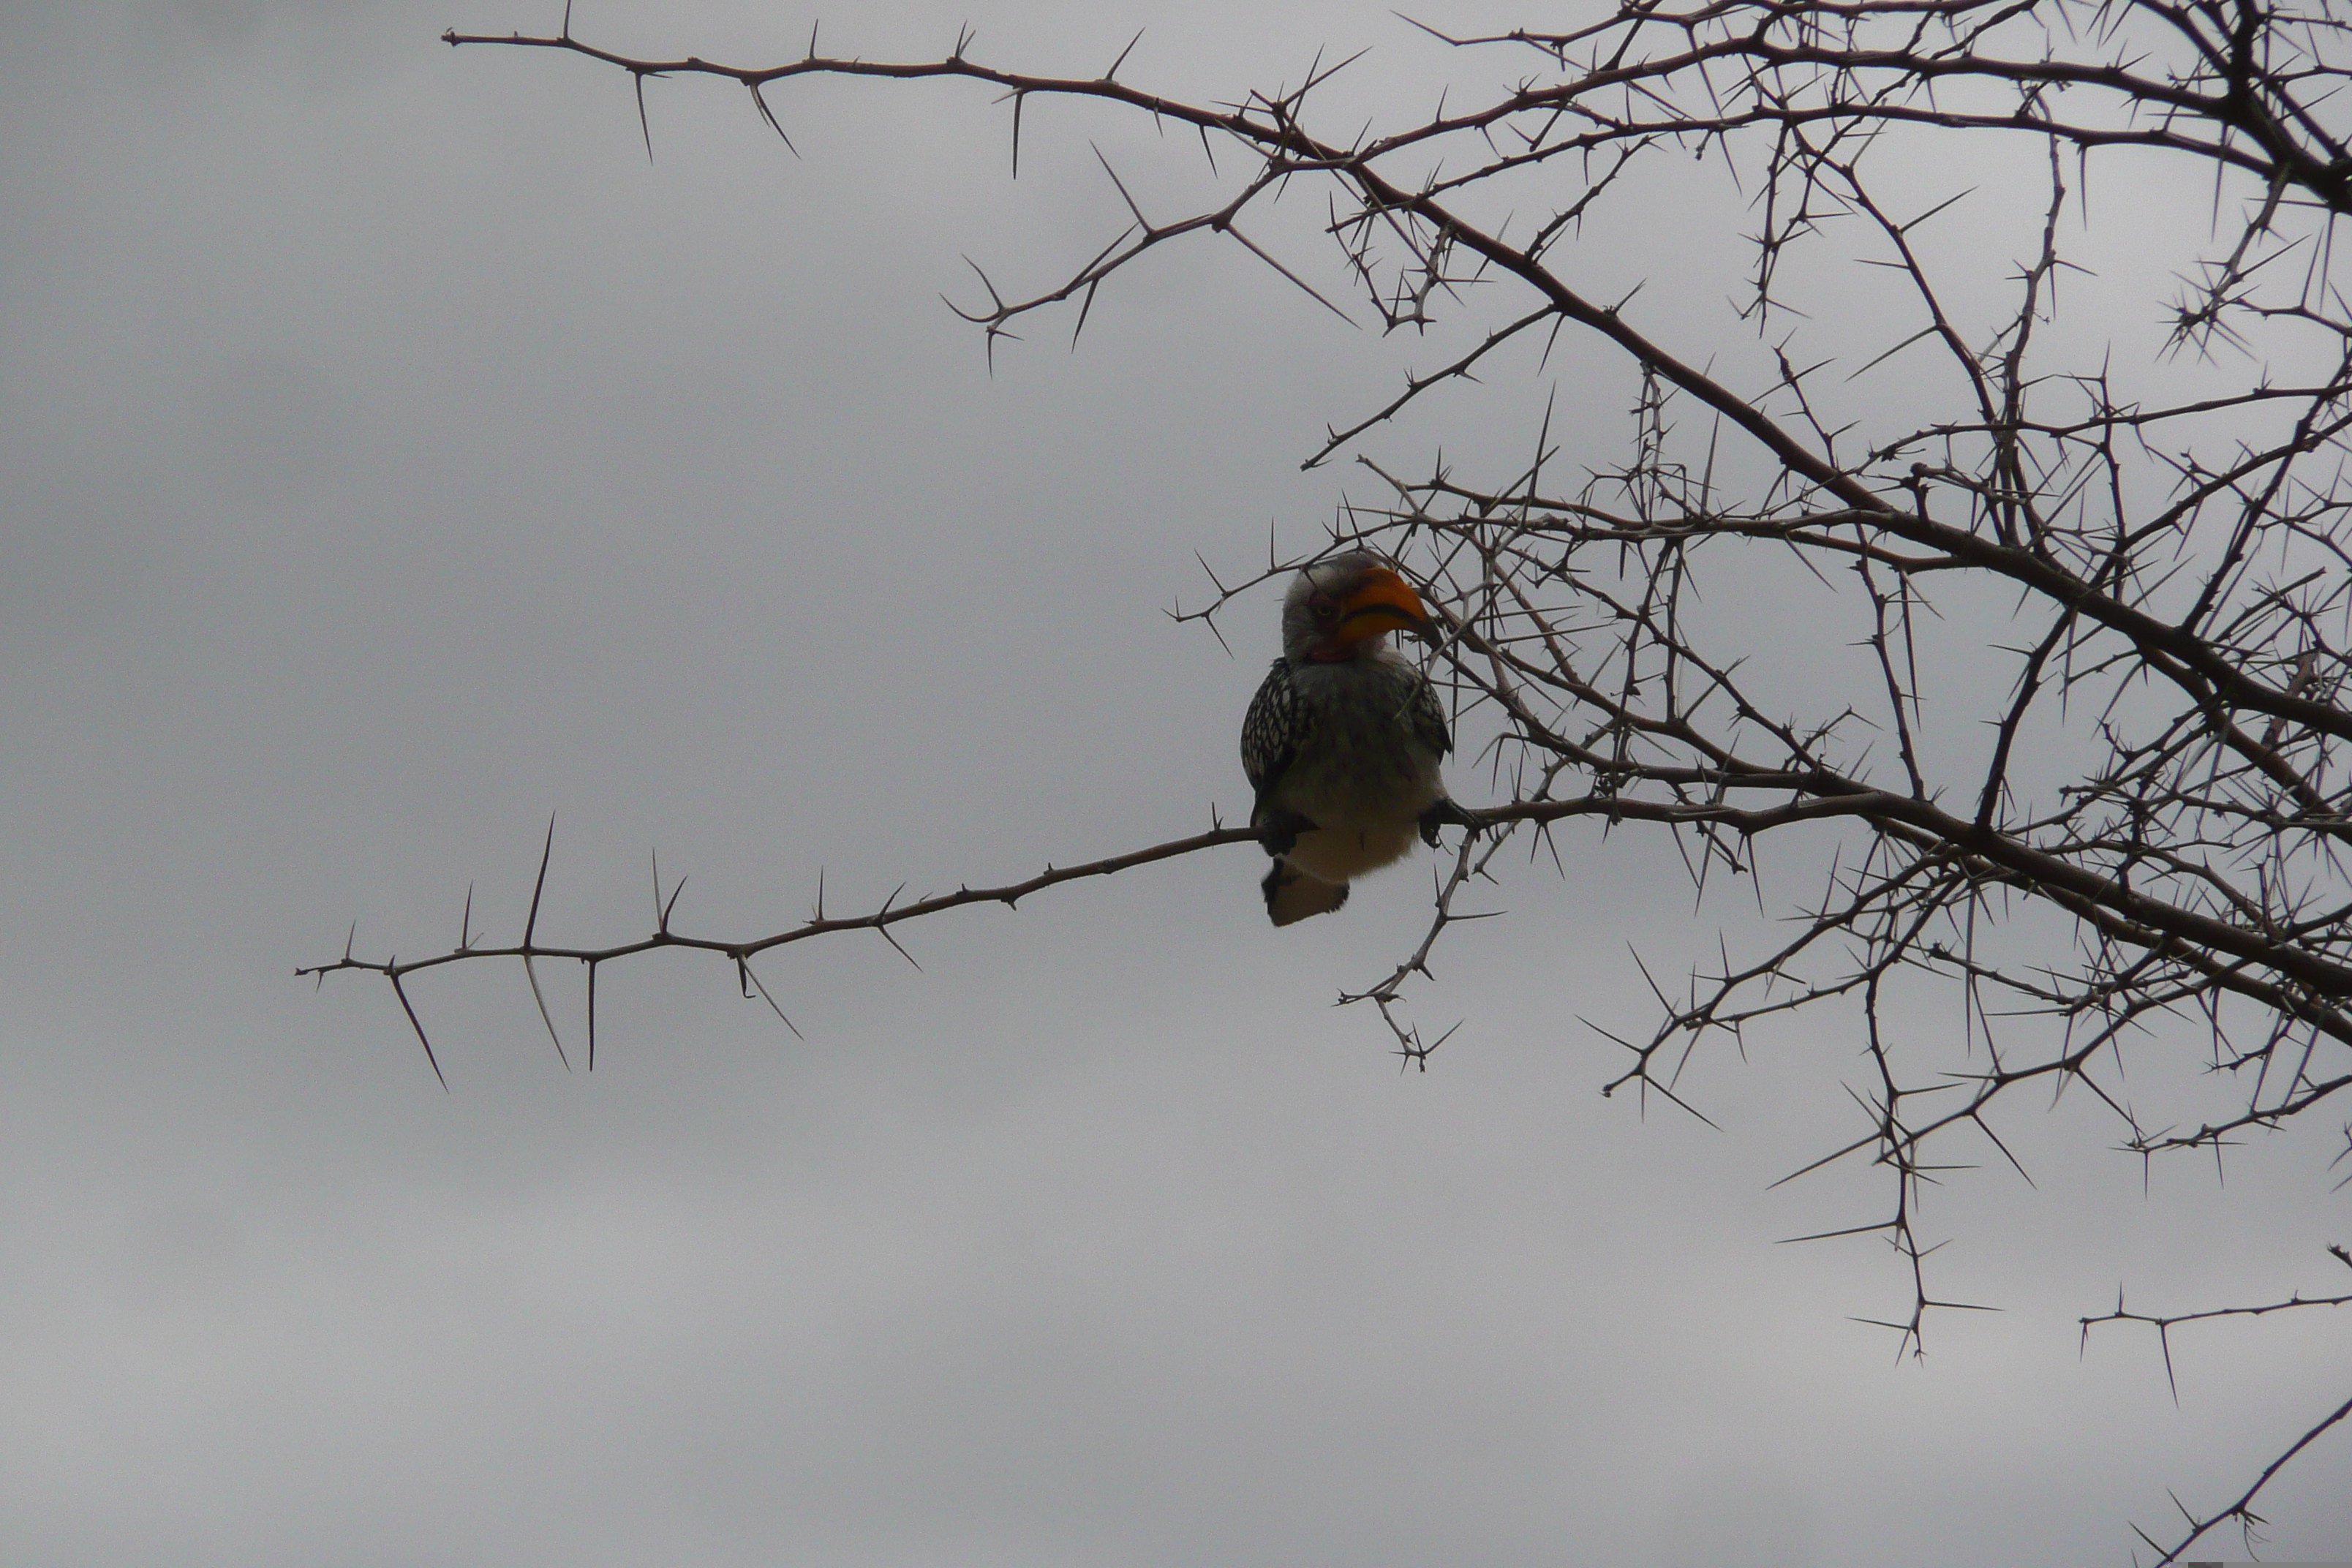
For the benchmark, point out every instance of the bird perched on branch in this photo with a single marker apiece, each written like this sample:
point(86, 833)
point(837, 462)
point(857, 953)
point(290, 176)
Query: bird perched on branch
point(1343, 740)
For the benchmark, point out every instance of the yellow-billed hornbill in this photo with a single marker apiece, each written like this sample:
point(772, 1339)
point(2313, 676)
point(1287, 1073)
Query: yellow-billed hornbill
point(1343, 740)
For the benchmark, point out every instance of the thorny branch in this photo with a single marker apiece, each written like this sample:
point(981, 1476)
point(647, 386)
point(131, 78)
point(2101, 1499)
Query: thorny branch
point(739, 953)
point(2114, 837)
point(2239, 1511)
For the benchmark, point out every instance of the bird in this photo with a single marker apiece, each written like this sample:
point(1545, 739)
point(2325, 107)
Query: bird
point(1343, 741)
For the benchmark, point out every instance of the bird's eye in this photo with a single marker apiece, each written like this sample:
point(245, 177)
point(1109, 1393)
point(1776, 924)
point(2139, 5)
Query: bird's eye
point(1325, 609)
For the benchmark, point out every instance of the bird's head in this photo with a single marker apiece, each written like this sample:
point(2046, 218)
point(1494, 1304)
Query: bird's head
point(1345, 607)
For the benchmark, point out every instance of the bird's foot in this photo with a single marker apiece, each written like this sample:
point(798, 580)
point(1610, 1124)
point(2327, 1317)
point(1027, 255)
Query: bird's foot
point(1445, 813)
point(1278, 834)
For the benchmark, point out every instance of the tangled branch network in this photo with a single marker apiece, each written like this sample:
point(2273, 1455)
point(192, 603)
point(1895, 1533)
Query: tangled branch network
point(2111, 831)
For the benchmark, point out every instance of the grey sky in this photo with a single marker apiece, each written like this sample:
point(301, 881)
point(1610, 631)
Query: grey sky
point(389, 456)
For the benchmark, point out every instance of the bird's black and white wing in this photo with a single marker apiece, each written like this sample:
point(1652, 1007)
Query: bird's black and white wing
point(1429, 719)
point(1272, 730)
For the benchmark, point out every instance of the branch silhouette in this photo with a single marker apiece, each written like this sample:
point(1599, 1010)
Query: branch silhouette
point(2112, 829)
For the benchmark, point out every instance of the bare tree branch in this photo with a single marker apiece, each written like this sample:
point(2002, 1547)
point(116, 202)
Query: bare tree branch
point(2112, 829)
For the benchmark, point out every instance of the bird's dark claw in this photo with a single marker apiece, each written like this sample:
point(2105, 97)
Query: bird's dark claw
point(1278, 834)
point(1445, 813)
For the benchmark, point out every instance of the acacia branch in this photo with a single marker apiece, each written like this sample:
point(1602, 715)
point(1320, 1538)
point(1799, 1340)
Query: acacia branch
point(2241, 1510)
point(2150, 816)
point(742, 952)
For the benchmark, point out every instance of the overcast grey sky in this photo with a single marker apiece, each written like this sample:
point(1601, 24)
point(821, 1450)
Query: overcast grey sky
point(390, 457)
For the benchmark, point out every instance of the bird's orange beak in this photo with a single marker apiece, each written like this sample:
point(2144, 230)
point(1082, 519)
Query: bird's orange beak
point(1382, 601)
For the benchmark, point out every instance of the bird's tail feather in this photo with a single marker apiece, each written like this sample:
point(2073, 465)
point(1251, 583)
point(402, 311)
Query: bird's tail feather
point(1292, 895)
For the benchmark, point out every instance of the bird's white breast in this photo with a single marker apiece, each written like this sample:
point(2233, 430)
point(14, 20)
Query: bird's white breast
point(1363, 775)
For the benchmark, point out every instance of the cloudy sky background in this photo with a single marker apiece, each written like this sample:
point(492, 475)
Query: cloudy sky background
point(390, 457)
